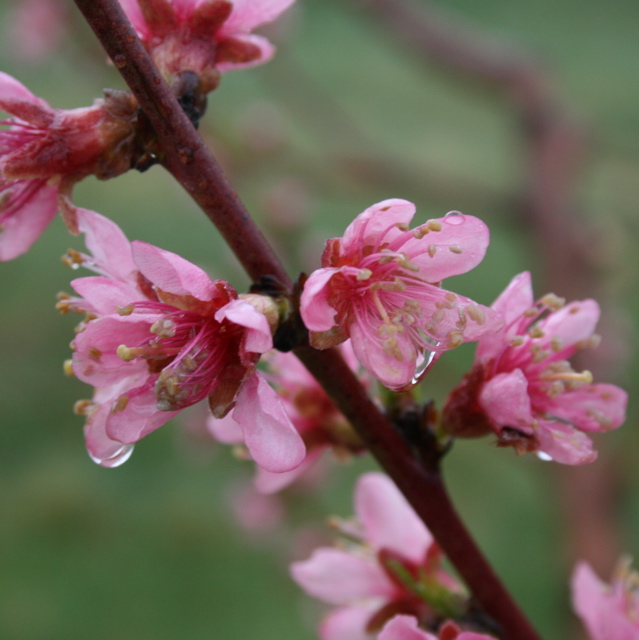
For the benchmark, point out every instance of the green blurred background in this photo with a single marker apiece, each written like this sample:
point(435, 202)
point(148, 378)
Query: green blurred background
point(344, 116)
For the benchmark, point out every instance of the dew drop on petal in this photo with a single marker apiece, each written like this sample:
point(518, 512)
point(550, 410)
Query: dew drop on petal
point(454, 217)
point(118, 458)
point(423, 366)
point(544, 456)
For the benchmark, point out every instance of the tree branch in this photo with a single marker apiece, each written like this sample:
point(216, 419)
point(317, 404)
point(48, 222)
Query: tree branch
point(195, 168)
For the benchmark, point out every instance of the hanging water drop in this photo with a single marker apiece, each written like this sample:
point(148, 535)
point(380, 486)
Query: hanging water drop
point(115, 460)
point(423, 366)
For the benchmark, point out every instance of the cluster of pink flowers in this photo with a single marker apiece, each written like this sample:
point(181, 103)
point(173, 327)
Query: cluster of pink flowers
point(389, 574)
point(522, 386)
point(161, 336)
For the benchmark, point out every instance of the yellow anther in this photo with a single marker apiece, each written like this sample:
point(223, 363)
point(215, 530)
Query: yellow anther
point(451, 297)
point(553, 302)
point(404, 261)
point(120, 404)
point(434, 225)
point(402, 226)
point(455, 338)
point(556, 344)
point(125, 311)
point(94, 353)
point(82, 407)
point(364, 274)
point(531, 313)
point(517, 341)
point(453, 248)
point(432, 250)
point(67, 367)
point(536, 332)
point(125, 353)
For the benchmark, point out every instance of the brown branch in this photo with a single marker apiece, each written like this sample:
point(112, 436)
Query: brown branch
point(191, 163)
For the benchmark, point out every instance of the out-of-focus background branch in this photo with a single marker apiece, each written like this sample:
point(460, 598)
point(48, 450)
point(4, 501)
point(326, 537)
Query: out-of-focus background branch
point(349, 112)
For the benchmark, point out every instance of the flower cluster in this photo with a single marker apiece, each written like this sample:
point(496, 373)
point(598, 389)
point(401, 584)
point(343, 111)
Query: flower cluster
point(160, 336)
point(379, 285)
point(523, 387)
point(392, 567)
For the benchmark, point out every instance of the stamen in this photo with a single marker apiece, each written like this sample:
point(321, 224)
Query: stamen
point(536, 332)
point(364, 274)
point(67, 367)
point(434, 225)
point(120, 404)
point(82, 407)
point(432, 250)
point(404, 261)
point(553, 302)
point(453, 248)
point(125, 311)
point(476, 314)
point(517, 341)
point(73, 259)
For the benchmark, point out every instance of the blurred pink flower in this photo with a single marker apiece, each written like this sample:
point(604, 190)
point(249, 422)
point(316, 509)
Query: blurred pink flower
point(379, 285)
point(407, 628)
point(162, 336)
point(45, 151)
point(609, 612)
point(35, 29)
point(320, 424)
point(204, 36)
point(523, 387)
point(394, 567)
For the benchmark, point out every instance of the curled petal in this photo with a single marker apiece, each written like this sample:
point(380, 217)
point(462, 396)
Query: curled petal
point(338, 577)
point(575, 322)
point(103, 295)
point(380, 218)
point(317, 313)
point(257, 338)
point(388, 520)
point(269, 435)
point(506, 401)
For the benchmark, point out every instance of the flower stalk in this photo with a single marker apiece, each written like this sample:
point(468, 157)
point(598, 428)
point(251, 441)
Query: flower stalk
point(186, 157)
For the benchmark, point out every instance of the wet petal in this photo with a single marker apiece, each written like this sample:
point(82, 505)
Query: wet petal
point(317, 313)
point(563, 443)
point(575, 322)
point(103, 294)
point(257, 338)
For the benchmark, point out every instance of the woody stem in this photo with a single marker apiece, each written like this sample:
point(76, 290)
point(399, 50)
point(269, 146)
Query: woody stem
point(191, 163)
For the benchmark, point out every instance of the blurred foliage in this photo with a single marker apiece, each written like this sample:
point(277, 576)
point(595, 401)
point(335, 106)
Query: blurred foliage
point(342, 117)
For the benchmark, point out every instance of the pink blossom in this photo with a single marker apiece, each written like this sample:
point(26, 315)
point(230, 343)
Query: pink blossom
point(394, 567)
point(379, 285)
point(44, 151)
point(609, 612)
point(407, 628)
point(523, 387)
point(320, 424)
point(162, 336)
point(204, 36)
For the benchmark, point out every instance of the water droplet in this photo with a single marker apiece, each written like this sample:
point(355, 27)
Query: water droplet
point(544, 456)
point(118, 458)
point(454, 217)
point(423, 366)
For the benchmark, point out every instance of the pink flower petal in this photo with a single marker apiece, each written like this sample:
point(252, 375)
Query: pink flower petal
point(513, 301)
point(404, 628)
point(459, 247)
point(346, 623)
point(338, 577)
point(266, 49)
point(172, 273)
point(25, 225)
point(268, 483)
point(257, 338)
point(371, 223)
point(269, 435)
point(575, 322)
point(393, 372)
point(317, 313)
point(594, 407)
point(17, 100)
point(138, 417)
point(103, 294)
point(248, 14)
point(505, 399)
point(134, 14)
point(102, 449)
point(225, 429)
point(110, 248)
point(389, 521)
point(563, 443)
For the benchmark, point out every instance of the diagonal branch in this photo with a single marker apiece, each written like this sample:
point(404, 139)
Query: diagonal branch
point(194, 167)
